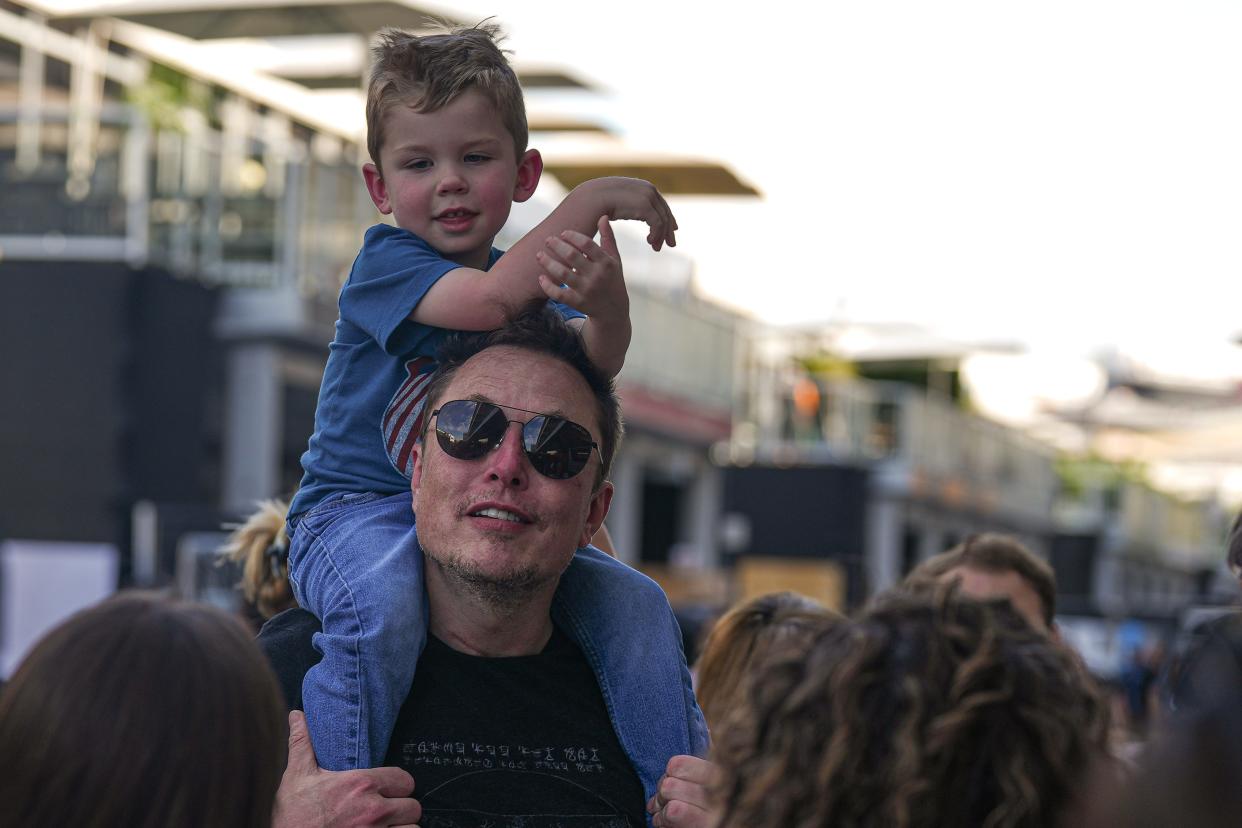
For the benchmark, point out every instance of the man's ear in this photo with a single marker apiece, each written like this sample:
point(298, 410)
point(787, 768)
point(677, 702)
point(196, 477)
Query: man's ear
point(376, 188)
point(600, 501)
point(530, 167)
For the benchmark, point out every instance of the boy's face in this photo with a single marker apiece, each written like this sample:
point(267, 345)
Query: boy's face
point(450, 176)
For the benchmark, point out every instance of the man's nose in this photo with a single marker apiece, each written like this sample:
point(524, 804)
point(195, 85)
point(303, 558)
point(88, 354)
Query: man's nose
point(508, 463)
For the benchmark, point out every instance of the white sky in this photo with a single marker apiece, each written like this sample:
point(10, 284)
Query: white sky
point(1063, 173)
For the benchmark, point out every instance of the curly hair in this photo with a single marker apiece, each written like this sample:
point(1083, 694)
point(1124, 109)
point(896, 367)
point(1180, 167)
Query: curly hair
point(747, 635)
point(929, 710)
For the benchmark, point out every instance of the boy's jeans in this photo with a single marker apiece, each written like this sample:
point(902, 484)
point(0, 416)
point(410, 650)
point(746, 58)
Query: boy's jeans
point(359, 554)
point(355, 563)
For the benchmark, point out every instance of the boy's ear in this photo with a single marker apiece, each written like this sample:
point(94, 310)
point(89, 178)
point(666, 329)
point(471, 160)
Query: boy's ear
point(376, 188)
point(530, 167)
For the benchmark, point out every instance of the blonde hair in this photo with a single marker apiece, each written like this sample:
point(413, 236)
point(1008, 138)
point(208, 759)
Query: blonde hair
point(746, 635)
point(428, 72)
point(261, 546)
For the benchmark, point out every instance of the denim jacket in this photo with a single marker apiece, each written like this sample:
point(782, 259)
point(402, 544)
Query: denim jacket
point(621, 620)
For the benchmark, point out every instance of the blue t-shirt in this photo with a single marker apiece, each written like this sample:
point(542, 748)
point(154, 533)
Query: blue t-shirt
point(372, 399)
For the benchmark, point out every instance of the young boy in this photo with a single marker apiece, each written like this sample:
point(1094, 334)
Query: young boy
point(446, 132)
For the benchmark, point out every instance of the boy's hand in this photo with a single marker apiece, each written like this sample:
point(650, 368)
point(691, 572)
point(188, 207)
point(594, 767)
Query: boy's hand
point(585, 275)
point(637, 200)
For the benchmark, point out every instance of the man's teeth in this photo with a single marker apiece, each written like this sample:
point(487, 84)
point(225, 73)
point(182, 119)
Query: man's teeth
point(451, 214)
point(500, 514)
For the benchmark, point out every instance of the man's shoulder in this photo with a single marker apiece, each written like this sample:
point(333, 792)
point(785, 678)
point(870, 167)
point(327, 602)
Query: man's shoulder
point(596, 569)
point(286, 640)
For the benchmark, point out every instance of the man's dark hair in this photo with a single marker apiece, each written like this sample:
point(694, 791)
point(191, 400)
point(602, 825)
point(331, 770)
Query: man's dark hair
point(998, 554)
point(540, 331)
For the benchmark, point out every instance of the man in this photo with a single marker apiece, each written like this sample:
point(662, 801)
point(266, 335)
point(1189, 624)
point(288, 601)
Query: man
point(527, 701)
point(996, 567)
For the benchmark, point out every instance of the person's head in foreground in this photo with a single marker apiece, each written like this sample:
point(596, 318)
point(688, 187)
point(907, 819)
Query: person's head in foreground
point(142, 712)
point(744, 638)
point(929, 710)
point(995, 566)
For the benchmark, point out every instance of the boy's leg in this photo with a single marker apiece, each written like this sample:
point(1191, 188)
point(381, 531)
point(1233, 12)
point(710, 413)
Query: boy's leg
point(354, 563)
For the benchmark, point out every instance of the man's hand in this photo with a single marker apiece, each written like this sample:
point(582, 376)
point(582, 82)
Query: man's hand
point(636, 200)
point(585, 275)
point(313, 798)
point(681, 799)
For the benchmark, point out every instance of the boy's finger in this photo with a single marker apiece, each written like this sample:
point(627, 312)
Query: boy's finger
point(580, 241)
point(573, 253)
point(607, 240)
point(557, 293)
point(559, 272)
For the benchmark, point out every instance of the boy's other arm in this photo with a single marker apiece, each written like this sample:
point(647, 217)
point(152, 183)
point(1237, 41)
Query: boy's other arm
point(467, 299)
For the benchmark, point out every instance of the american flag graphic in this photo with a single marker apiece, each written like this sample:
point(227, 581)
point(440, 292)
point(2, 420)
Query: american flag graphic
point(403, 421)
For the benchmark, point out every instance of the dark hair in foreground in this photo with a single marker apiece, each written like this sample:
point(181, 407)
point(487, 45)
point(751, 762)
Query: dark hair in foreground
point(142, 712)
point(928, 711)
point(539, 330)
point(744, 638)
point(999, 554)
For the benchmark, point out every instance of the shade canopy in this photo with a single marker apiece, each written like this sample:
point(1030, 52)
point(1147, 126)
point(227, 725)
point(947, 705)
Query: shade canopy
point(671, 176)
point(211, 19)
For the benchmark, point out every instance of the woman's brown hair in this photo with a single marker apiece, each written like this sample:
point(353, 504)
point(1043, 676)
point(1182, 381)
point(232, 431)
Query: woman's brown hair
point(927, 711)
point(142, 712)
point(745, 636)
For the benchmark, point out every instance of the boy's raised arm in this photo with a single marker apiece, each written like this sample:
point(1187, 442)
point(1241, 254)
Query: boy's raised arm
point(467, 299)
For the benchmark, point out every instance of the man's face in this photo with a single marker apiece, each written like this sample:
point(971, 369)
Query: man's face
point(451, 177)
point(554, 517)
point(1010, 586)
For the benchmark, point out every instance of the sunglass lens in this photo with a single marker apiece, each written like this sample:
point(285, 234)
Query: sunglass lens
point(468, 430)
point(557, 448)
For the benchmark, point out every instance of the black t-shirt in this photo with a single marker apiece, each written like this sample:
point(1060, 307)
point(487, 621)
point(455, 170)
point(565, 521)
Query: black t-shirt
point(521, 742)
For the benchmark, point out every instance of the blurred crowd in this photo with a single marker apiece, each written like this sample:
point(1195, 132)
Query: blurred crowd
point(951, 700)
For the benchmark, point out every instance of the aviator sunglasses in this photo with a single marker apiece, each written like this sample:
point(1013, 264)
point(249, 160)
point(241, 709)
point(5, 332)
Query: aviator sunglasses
point(556, 447)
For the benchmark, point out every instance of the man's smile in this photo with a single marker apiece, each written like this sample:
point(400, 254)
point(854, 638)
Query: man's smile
point(493, 511)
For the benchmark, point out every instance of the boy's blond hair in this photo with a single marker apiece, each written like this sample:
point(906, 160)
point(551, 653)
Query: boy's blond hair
point(427, 72)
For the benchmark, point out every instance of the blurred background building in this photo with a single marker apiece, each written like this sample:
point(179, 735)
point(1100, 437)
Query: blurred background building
point(178, 210)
